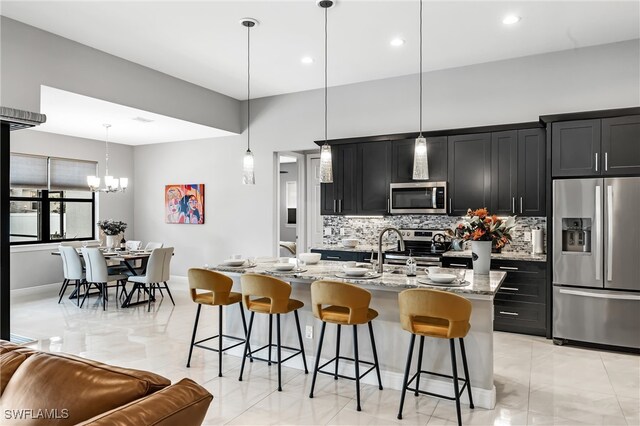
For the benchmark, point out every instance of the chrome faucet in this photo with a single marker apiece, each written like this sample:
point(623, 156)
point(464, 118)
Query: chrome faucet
point(391, 228)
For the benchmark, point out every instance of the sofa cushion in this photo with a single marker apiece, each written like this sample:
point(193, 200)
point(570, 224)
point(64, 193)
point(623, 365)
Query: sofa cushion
point(183, 403)
point(9, 363)
point(72, 389)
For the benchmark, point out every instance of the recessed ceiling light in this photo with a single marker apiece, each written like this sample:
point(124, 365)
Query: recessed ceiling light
point(511, 19)
point(306, 60)
point(397, 42)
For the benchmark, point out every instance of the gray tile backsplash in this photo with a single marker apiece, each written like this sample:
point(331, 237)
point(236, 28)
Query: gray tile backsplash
point(366, 229)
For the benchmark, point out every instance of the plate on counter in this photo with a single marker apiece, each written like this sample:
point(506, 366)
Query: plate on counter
point(243, 266)
point(291, 272)
point(367, 276)
point(427, 281)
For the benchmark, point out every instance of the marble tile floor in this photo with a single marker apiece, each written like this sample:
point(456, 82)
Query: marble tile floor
point(537, 383)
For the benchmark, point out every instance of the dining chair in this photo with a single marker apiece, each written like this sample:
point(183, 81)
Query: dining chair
point(72, 269)
point(153, 245)
point(133, 245)
point(98, 275)
point(158, 272)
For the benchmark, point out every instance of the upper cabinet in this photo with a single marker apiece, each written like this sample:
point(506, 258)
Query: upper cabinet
point(339, 197)
point(402, 159)
point(621, 145)
point(609, 146)
point(504, 172)
point(469, 172)
point(531, 200)
point(373, 178)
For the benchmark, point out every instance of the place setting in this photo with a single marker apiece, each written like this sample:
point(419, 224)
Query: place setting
point(351, 270)
point(238, 262)
point(286, 266)
point(444, 277)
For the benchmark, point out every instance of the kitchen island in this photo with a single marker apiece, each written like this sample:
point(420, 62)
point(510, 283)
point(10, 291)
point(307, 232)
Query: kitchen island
point(391, 339)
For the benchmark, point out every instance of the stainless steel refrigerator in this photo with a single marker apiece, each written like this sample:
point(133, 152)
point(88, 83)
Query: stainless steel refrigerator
point(596, 260)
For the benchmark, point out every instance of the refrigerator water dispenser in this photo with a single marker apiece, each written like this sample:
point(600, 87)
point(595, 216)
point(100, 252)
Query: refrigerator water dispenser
point(576, 235)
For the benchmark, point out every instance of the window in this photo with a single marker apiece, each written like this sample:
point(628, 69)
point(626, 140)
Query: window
point(49, 200)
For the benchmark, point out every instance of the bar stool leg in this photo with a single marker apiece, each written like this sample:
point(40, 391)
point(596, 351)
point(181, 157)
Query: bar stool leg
point(454, 368)
point(270, 337)
point(335, 376)
point(420, 352)
point(246, 345)
point(220, 341)
point(315, 369)
point(466, 372)
point(357, 362)
point(279, 354)
point(375, 355)
point(304, 357)
point(244, 326)
point(193, 336)
point(406, 374)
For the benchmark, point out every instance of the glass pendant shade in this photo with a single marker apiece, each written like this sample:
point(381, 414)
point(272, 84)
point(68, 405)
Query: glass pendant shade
point(420, 163)
point(124, 183)
point(248, 176)
point(93, 182)
point(326, 168)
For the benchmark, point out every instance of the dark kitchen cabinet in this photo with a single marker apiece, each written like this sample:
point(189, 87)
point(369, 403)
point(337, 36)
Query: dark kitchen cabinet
point(402, 159)
point(504, 172)
point(339, 197)
point(531, 195)
point(469, 172)
point(373, 178)
point(621, 145)
point(575, 148)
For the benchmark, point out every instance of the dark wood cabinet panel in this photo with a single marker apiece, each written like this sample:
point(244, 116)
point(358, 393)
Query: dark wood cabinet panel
point(402, 159)
point(347, 177)
point(373, 177)
point(520, 317)
point(531, 199)
point(575, 149)
point(469, 171)
point(621, 145)
point(504, 172)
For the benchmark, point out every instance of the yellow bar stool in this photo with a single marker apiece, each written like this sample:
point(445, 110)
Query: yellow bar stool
point(217, 292)
point(268, 295)
point(442, 315)
point(346, 304)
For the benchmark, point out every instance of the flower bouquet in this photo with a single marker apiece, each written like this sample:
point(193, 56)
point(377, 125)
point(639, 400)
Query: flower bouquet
point(112, 228)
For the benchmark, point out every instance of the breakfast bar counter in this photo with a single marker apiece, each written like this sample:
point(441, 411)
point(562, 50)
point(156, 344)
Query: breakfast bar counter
point(391, 339)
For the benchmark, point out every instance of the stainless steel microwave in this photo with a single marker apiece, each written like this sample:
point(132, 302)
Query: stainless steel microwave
point(418, 198)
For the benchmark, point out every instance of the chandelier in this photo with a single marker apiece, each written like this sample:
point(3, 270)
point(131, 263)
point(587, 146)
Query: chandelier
point(111, 184)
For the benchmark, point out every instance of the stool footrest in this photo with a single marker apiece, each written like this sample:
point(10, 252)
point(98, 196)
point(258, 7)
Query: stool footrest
point(198, 343)
point(296, 351)
point(447, 376)
point(332, 373)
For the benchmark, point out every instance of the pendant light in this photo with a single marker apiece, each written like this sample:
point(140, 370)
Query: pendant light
point(248, 175)
point(420, 162)
point(326, 168)
point(111, 184)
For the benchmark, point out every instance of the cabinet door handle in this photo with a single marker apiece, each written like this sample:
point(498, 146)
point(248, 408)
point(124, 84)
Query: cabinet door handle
point(606, 162)
point(388, 205)
point(513, 205)
point(333, 258)
point(509, 288)
point(334, 206)
point(458, 264)
point(449, 205)
point(520, 205)
point(515, 314)
point(509, 268)
point(596, 161)
point(339, 206)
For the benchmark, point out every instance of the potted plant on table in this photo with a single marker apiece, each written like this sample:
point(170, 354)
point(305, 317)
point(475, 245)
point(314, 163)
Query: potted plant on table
point(112, 229)
point(484, 231)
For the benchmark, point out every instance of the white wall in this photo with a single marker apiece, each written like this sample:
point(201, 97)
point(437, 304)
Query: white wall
point(240, 219)
point(35, 266)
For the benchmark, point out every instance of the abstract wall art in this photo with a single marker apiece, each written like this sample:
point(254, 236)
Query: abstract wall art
point(184, 203)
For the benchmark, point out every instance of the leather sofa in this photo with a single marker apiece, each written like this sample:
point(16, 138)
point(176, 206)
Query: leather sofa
point(38, 388)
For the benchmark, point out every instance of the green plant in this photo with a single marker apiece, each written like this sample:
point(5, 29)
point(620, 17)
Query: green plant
point(112, 227)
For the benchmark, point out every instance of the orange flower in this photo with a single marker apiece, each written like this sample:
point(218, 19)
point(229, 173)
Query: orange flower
point(477, 234)
point(481, 213)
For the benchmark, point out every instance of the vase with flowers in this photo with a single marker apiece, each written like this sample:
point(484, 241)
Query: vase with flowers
point(112, 229)
point(485, 231)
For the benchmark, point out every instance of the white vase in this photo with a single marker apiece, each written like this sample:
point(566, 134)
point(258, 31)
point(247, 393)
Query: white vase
point(112, 241)
point(481, 255)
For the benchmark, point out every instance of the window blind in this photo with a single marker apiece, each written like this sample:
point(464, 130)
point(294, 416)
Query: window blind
point(28, 171)
point(68, 174)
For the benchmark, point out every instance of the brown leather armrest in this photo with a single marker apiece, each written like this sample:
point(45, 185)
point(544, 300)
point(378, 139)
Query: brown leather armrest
point(184, 403)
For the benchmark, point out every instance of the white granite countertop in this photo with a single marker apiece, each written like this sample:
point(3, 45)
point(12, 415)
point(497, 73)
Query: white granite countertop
point(507, 255)
point(365, 248)
point(486, 285)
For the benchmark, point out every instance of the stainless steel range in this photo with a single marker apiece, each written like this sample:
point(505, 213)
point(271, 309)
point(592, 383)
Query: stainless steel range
point(424, 245)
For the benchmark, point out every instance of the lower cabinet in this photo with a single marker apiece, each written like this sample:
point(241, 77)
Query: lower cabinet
point(520, 305)
point(345, 256)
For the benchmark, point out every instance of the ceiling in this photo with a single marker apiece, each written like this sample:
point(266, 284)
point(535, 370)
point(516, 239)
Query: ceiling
point(202, 41)
point(82, 116)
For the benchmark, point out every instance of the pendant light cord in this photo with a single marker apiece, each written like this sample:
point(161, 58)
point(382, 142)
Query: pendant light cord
point(248, 88)
point(106, 150)
point(420, 68)
point(326, 10)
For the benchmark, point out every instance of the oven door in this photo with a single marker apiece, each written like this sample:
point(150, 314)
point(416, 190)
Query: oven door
point(418, 198)
point(401, 259)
